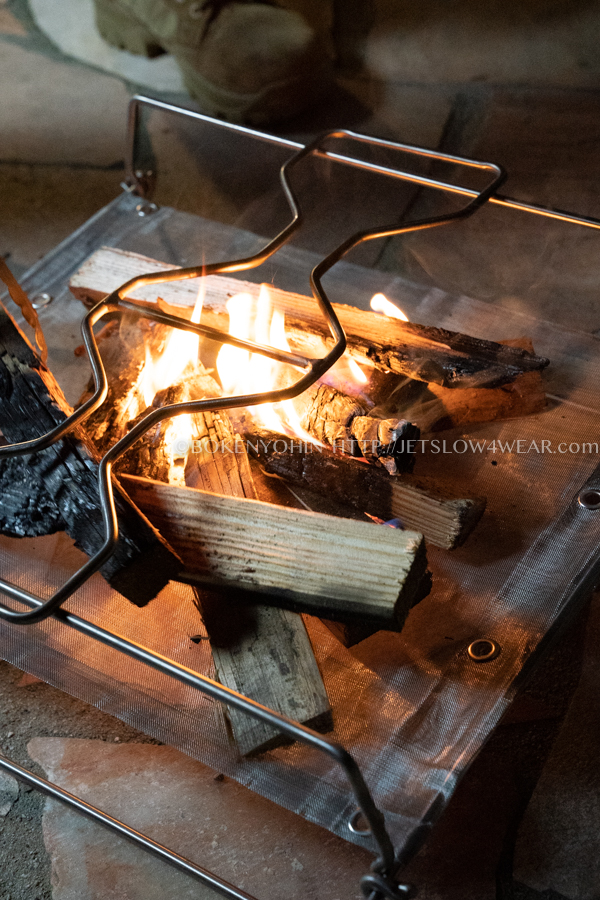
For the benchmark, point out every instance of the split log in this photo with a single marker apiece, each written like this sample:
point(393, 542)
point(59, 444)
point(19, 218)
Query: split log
point(261, 651)
point(264, 653)
point(421, 352)
point(31, 403)
point(324, 565)
point(418, 502)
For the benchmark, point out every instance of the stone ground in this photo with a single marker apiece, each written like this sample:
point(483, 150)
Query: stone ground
point(517, 83)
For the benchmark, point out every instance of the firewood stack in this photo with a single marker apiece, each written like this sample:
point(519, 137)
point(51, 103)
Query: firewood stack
point(189, 508)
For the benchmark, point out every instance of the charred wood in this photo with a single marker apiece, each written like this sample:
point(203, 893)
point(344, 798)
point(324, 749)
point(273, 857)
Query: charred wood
point(420, 504)
point(31, 403)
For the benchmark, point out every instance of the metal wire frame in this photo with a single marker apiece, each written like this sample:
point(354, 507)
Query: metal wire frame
point(142, 183)
point(381, 882)
point(116, 303)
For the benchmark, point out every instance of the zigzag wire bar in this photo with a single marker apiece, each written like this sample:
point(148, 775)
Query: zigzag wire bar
point(116, 303)
point(384, 867)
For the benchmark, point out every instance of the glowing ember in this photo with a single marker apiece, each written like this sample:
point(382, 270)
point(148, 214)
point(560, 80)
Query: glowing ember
point(381, 304)
point(243, 373)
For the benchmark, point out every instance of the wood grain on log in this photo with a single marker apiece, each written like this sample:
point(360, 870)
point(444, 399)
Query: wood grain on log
point(31, 403)
point(422, 352)
point(420, 504)
point(310, 562)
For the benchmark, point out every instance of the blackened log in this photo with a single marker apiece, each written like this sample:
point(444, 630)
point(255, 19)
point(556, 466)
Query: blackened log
point(26, 507)
point(31, 403)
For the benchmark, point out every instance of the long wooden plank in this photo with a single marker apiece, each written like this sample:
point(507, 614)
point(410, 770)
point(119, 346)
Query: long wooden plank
point(311, 562)
point(421, 352)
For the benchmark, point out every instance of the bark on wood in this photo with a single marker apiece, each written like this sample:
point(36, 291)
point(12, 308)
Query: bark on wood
point(523, 397)
point(419, 503)
point(422, 352)
point(343, 422)
point(310, 562)
point(31, 403)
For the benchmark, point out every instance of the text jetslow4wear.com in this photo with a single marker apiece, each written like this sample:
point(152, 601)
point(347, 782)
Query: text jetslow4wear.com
point(183, 446)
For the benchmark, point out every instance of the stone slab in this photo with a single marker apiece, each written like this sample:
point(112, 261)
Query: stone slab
point(266, 850)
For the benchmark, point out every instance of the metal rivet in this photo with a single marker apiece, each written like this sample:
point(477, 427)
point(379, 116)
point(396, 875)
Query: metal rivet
point(146, 208)
point(483, 650)
point(589, 499)
point(41, 300)
point(358, 824)
point(196, 10)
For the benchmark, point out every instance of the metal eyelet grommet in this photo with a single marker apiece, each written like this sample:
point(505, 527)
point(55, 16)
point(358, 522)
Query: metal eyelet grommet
point(41, 300)
point(358, 824)
point(483, 650)
point(145, 208)
point(589, 499)
point(196, 10)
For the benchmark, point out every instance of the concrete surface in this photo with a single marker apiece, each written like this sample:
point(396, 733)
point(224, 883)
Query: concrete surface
point(513, 82)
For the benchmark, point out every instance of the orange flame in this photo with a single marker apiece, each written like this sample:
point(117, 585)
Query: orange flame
point(381, 304)
point(180, 350)
point(242, 372)
point(356, 371)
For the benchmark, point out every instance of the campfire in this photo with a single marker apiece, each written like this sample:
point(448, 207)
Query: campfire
point(220, 499)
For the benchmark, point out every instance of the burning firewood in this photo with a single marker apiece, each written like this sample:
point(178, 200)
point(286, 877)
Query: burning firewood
point(333, 416)
point(437, 408)
point(221, 465)
point(341, 421)
point(421, 352)
point(261, 651)
point(64, 476)
point(418, 502)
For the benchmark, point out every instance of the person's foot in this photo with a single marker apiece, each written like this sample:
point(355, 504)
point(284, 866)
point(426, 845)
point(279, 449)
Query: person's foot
point(243, 61)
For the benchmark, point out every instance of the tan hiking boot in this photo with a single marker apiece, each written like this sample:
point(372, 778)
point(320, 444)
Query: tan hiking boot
point(241, 60)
